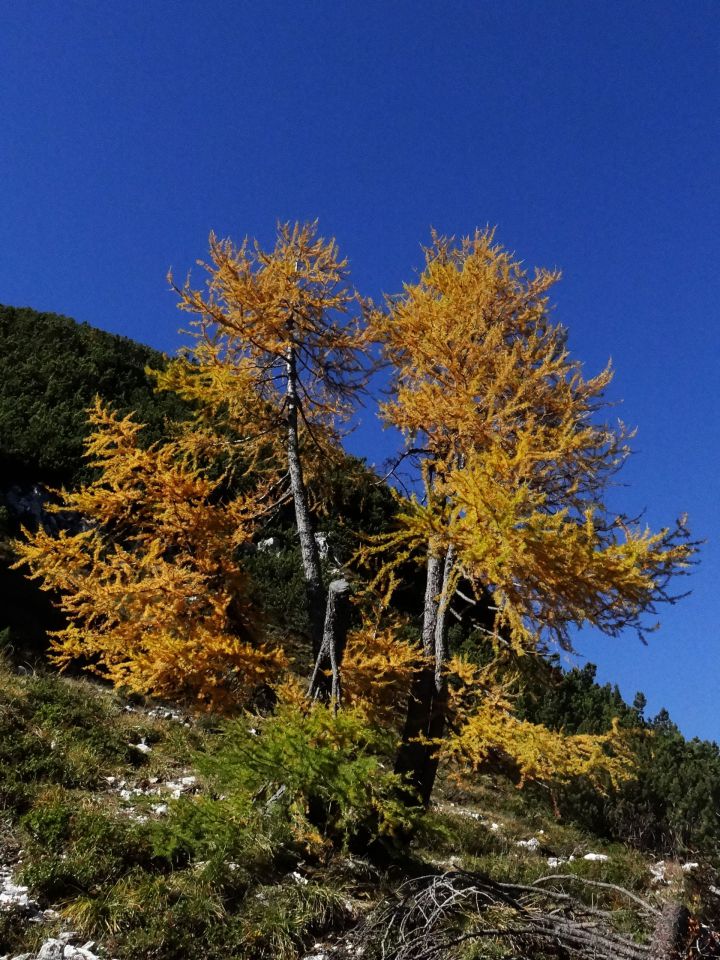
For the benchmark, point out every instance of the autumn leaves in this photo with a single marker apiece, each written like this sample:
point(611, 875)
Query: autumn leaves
point(511, 466)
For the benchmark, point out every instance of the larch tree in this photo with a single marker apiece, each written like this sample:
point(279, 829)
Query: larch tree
point(513, 465)
point(148, 574)
point(281, 323)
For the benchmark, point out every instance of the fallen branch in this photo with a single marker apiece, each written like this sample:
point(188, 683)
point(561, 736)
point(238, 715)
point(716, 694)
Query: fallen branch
point(430, 917)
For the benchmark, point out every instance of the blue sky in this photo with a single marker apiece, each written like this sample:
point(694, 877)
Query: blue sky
point(587, 132)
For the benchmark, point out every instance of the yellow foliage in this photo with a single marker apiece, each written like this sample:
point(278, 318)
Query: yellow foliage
point(475, 354)
point(260, 311)
point(515, 464)
point(231, 422)
point(494, 733)
point(485, 732)
point(378, 669)
point(550, 567)
point(154, 598)
point(514, 467)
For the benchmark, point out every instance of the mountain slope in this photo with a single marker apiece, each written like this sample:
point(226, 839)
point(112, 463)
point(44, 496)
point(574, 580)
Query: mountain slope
point(50, 369)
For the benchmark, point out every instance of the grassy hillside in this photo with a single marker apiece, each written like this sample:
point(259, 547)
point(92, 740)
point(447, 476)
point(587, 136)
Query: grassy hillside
point(129, 824)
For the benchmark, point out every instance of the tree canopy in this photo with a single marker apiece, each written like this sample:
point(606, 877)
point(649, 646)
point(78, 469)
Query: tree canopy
point(277, 357)
point(154, 598)
point(514, 467)
point(510, 520)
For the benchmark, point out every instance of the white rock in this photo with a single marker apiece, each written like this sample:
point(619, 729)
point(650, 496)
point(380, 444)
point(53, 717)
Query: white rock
point(556, 862)
point(601, 857)
point(183, 785)
point(142, 747)
point(494, 827)
point(532, 844)
point(79, 953)
point(658, 871)
point(165, 713)
point(690, 866)
point(15, 896)
point(52, 950)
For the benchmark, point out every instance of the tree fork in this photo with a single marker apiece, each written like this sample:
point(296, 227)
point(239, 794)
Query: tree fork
point(337, 621)
point(438, 709)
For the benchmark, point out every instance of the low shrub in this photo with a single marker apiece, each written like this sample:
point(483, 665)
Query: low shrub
point(329, 774)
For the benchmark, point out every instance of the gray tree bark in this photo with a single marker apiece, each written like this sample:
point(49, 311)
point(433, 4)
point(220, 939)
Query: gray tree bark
point(438, 708)
point(324, 686)
point(670, 933)
point(306, 531)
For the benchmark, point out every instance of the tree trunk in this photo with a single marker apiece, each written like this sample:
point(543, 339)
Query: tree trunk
point(670, 933)
point(305, 527)
point(424, 710)
point(438, 710)
point(337, 620)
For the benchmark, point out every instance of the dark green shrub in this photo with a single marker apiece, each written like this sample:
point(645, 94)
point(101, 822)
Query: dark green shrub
point(326, 772)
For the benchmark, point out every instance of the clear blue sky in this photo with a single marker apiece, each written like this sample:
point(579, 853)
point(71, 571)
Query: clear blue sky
point(586, 131)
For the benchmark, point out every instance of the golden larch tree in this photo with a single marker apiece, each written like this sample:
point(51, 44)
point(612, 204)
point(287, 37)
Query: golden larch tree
point(514, 465)
point(282, 326)
point(148, 577)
